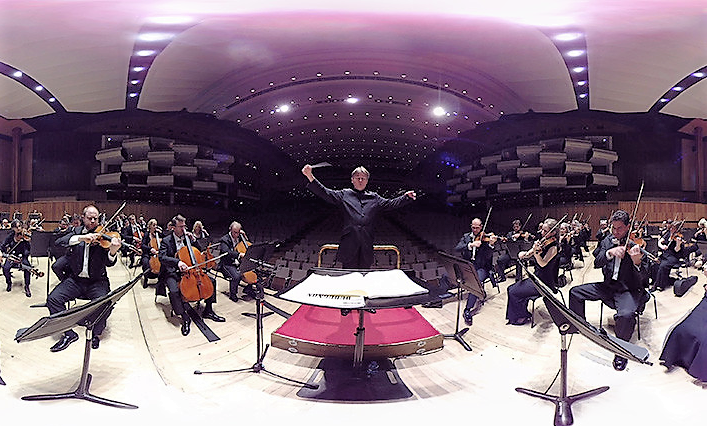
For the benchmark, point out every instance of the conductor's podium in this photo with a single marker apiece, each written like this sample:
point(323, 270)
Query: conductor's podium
point(325, 332)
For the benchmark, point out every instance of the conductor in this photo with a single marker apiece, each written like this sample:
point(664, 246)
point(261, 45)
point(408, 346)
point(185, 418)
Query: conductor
point(360, 209)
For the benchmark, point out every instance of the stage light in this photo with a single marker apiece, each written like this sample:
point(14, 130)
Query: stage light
point(439, 111)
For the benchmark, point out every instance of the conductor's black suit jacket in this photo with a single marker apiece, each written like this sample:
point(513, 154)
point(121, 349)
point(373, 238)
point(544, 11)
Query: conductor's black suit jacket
point(360, 210)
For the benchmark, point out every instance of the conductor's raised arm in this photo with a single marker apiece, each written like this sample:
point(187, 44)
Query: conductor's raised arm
point(307, 171)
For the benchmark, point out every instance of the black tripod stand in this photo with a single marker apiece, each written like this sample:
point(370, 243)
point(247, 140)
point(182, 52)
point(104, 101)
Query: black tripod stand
point(563, 402)
point(261, 350)
point(458, 334)
point(87, 316)
point(466, 277)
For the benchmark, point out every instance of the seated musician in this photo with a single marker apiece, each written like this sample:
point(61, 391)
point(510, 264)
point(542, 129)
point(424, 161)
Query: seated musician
point(603, 230)
point(5, 224)
point(686, 343)
point(171, 273)
point(518, 234)
point(671, 244)
point(132, 236)
point(87, 277)
point(501, 258)
point(565, 244)
point(199, 231)
point(229, 264)
point(16, 249)
point(476, 249)
point(624, 284)
point(547, 267)
point(148, 251)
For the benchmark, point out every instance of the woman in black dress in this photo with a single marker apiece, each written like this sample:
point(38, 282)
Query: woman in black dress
point(686, 344)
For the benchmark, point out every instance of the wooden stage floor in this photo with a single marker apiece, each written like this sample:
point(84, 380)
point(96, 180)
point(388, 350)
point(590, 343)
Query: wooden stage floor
point(144, 360)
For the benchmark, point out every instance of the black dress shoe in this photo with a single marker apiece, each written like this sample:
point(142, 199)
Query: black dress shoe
point(468, 316)
point(67, 338)
point(9, 286)
point(95, 342)
point(186, 323)
point(212, 316)
point(620, 363)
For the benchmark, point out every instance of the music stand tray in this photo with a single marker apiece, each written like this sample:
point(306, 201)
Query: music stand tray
point(86, 315)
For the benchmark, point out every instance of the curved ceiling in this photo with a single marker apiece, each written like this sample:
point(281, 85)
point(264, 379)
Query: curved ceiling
point(360, 81)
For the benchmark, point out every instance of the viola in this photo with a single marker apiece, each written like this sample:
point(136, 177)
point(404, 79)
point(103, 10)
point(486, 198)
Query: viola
point(249, 277)
point(195, 285)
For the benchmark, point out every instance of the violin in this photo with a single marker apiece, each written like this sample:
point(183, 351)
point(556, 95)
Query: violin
point(249, 277)
point(105, 238)
point(635, 237)
point(34, 271)
point(195, 285)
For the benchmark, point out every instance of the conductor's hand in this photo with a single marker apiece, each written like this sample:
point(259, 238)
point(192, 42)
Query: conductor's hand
point(411, 195)
point(307, 171)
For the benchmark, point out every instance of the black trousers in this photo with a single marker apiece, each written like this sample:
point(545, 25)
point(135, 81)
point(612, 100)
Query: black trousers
point(233, 275)
point(626, 304)
point(79, 288)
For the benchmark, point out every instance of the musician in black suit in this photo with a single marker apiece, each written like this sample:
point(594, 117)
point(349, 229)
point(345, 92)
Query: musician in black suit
point(17, 245)
point(231, 261)
point(171, 273)
point(476, 249)
point(545, 253)
point(360, 209)
point(87, 277)
point(625, 281)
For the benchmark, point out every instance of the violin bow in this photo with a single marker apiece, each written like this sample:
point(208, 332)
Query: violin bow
point(112, 218)
point(633, 216)
point(488, 215)
point(526, 222)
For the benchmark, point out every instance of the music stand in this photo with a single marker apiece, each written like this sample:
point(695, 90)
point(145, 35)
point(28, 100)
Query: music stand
point(86, 316)
point(41, 246)
point(253, 260)
point(569, 322)
point(467, 278)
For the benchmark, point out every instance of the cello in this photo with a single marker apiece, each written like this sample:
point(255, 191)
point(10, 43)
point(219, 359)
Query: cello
point(249, 277)
point(195, 285)
point(154, 259)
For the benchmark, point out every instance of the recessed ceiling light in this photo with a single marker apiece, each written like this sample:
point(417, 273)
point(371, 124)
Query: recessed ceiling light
point(698, 74)
point(578, 69)
point(439, 111)
point(17, 74)
point(575, 53)
point(145, 52)
point(39, 88)
point(351, 100)
point(155, 36)
point(677, 88)
point(568, 36)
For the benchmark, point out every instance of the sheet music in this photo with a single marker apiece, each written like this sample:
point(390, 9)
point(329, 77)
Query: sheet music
point(331, 291)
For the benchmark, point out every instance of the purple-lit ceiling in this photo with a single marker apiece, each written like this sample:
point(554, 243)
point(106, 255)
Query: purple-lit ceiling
point(359, 82)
